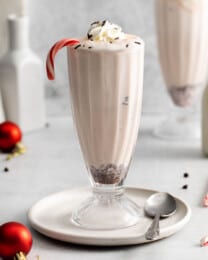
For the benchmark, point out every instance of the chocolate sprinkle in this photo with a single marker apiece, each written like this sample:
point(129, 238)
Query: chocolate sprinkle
point(116, 38)
point(185, 187)
point(79, 45)
point(90, 47)
point(96, 22)
point(89, 36)
point(185, 175)
point(127, 45)
point(103, 23)
point(138, 43)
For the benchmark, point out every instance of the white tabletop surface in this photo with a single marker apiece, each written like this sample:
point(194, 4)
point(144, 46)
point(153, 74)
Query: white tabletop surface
point(54, 163)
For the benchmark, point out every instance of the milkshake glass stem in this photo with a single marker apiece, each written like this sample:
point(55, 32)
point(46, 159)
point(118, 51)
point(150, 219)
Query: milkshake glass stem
point(108, 208)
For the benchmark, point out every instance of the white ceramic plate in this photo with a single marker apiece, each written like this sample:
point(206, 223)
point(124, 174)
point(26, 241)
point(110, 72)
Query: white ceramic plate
point(51, 216)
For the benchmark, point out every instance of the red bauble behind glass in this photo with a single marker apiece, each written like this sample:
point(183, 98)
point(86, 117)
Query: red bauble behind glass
point(10, 135)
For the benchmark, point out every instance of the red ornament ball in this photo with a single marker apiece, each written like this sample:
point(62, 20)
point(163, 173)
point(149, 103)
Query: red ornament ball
point(10, 135)
point(14, 237)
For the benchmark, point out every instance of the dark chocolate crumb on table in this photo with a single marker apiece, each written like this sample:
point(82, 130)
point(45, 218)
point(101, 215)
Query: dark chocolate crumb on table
point(6, 169)
point(185, 187)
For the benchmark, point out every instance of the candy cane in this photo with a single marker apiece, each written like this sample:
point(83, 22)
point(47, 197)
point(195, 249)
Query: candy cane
point(52, 53)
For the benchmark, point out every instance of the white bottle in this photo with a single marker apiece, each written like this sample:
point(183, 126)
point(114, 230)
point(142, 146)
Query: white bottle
point(21, 79)
point(2, 116)
point(205, 122)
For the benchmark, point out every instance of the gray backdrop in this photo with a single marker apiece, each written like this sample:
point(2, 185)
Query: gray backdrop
point(52, 20)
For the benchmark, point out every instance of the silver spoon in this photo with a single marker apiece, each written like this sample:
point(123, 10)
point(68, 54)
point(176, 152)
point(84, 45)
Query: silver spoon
point(158, 205)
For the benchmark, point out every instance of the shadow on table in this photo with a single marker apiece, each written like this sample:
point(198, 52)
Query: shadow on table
point(53, 244)
point(149, 146)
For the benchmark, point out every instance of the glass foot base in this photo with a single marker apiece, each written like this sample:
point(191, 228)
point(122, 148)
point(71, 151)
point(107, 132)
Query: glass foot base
point(179, 128)
point(107, 211)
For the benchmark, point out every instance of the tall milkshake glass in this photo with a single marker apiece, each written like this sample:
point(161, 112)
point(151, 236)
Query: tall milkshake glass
point(106, 77)
point(182, 34)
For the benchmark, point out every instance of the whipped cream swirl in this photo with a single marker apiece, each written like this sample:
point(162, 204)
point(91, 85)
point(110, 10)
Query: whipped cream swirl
point(105, 31)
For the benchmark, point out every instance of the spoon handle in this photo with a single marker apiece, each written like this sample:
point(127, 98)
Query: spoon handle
point(154, 230)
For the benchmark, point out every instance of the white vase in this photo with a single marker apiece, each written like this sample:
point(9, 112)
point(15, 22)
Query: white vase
point(18, 7)
point(2, 115)
point(21, 79)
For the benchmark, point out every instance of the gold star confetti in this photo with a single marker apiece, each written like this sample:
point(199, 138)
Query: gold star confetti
point(19, 149)
point(20, 256)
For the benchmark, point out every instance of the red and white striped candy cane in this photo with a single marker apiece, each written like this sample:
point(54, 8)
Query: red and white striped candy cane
point(52, 53)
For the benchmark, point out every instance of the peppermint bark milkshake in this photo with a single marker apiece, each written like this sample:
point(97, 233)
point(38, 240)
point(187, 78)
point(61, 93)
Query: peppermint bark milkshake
point(182, 40)
point(106, 77)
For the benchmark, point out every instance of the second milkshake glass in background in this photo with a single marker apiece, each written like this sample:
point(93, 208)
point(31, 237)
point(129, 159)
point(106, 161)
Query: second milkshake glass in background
point(182, 32)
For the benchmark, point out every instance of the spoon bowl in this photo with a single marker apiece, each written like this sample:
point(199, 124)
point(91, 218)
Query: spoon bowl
point(159, 205)
point(160, 202)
